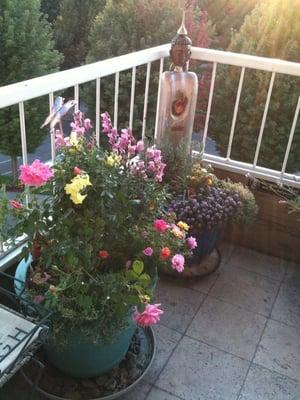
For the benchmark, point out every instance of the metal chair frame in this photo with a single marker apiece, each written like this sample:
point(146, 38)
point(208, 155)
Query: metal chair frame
point(27, 347)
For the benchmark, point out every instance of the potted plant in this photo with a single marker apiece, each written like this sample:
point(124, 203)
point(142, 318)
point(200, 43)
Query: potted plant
point(97, 230)
point(206, 204)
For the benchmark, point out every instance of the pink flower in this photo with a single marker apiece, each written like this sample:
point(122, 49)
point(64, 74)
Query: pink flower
point(178, 262)
point(140, 146)
point(131, 149)
point(150, 316)
point(150, 152)
point(87, 124)
point(191, 242)
point(76, 171)
point(59, 139)
point(160, 225)
point(148, 251)
point(106, 122)
point(36, 174)
point(15, 204)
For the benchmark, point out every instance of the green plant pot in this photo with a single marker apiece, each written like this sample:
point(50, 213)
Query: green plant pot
point(81, 358)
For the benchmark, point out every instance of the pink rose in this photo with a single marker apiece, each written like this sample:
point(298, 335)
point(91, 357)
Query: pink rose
point(178, 262)
point(148, 251)
point(191, 243)
point(150, 316)
point(36, 174)
point(160, 225)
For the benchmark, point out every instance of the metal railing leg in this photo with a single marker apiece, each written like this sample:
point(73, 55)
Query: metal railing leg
point(41, 368)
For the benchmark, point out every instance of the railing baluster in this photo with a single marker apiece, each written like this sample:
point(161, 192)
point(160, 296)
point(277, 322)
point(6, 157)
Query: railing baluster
point(146, 100)
point(98, 90)
point(76, 97)
point(263, 122)
point(161, 68)
point(52, 131)
point(236, 107)
point(212, 85)
point(132, 97)
point(23, 132)
point(117, 80)
point(290, 141)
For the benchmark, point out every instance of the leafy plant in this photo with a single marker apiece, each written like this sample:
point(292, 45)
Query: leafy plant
point(97, 228)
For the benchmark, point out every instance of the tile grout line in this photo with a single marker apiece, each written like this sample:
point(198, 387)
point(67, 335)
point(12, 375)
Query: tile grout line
point(179, 341)
point(260, 338)
point(205, 295)
point(170, 393)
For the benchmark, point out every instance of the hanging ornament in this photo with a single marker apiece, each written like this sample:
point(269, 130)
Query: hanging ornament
point(178, 95)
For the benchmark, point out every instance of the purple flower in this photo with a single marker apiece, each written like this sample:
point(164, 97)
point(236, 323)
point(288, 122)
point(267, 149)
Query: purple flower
point(191, 242)
point(148, 251)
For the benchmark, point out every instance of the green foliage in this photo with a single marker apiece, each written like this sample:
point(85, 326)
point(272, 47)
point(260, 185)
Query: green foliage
point(227, 16)
point(271, 30)
point(87, 229)
point(51, 9)
point(26, 50)
point(4, 209)
point(72, 27)
point(122, 27)
point(248, 209)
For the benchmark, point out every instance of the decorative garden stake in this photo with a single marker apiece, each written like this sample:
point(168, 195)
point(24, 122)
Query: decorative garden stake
point(178, 94)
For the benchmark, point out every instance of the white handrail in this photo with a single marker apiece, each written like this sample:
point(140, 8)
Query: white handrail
point(246, 60)
point(32, 88)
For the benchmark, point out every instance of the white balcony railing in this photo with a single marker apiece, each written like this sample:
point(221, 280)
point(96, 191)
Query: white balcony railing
point(21, 92)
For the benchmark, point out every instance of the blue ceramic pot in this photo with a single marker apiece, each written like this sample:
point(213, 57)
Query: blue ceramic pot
point(81, 357)
point(207, 241)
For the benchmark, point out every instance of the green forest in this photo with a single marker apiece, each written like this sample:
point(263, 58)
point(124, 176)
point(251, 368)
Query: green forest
point(38, 37)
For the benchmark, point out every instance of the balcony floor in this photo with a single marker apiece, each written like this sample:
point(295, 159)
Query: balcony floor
point(231, 336)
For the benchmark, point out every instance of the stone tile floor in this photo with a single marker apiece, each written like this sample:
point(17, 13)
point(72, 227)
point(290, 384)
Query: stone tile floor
point(234, 335)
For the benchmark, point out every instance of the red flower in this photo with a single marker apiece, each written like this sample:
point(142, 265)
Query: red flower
point(103, 254)
point(165, 253)
point(77, 171)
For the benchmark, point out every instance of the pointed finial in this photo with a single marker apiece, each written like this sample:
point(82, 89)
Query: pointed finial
point(182, 30)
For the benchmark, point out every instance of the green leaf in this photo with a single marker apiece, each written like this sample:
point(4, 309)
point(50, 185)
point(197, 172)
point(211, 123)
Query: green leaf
point(138, 267)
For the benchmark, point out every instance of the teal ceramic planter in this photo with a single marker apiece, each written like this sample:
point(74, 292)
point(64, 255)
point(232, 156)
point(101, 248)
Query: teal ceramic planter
point(80, 357)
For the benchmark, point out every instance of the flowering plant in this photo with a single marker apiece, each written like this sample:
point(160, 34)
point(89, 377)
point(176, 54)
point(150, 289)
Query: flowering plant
point(97, 228)
point(211, 202)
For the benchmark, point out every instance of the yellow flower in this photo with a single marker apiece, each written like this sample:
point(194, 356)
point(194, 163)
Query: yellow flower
point(113, 160)
point(78, 183)
point(183, 225)
point(144, 298)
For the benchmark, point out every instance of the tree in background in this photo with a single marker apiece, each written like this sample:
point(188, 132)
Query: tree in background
point(125, 26)
point(202, 33)
point(227, 16)
point(272, 30)
point(26, 50)
point(72, 28)
point(51, 9)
